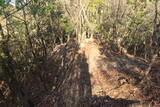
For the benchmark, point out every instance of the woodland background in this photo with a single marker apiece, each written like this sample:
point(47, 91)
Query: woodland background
point(30, 31)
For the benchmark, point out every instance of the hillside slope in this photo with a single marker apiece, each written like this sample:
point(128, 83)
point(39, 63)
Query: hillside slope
point(90, 77)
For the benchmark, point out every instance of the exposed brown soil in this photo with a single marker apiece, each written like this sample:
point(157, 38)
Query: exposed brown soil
point(92, 75)
point(99, 78)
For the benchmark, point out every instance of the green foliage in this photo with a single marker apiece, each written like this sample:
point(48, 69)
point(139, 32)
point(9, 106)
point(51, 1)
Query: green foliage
point(2, 3)
point(65, 25)
point(32, 36)
point(49, 8)
point(36, 9)
point(131, 1)
point(94, 4)
point(132, 22)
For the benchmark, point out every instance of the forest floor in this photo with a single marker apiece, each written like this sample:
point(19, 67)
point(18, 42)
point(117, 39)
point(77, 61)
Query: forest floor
point(93, 75)
point(96, 76)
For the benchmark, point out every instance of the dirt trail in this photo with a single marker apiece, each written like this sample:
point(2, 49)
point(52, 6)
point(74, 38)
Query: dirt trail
point(89, 77)
point(108, 73)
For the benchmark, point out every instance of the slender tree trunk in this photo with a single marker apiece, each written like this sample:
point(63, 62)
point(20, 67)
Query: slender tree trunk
point(154, 34)
point(27, 35)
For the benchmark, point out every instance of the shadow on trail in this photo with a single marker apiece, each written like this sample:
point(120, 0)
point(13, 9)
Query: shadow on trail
point(106, 101)
point(132, 68)
point(71, 80)
point(72, 85)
